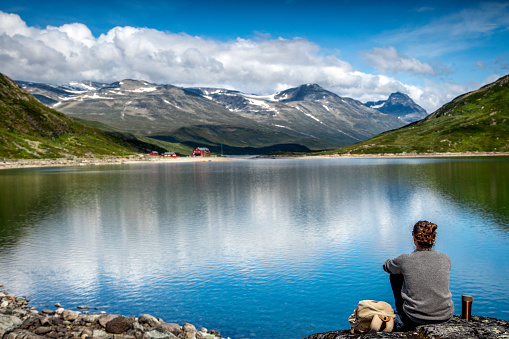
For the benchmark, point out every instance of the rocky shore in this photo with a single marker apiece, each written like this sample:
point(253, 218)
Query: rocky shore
point(18, 321)
point(456, 328)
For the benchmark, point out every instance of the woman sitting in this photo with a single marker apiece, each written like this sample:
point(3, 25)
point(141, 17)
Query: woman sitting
point(420, 281)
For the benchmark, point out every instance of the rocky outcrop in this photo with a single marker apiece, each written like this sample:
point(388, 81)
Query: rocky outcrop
point(17, 321)
point(456, 328)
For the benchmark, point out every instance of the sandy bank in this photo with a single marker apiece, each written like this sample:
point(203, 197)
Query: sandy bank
point(398, 155)
point(9, 164)
point(139, 159)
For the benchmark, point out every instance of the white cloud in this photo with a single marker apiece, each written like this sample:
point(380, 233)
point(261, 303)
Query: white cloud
point(260, 65)
point(480, 64)
point(388, 60)
point(460, 31)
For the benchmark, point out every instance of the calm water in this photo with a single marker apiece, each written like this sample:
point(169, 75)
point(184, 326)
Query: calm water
point(252, 248)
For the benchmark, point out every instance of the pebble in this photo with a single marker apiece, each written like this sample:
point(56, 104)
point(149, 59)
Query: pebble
point(24, 322)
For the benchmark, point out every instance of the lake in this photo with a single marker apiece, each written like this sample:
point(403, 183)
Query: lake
point(264, 248)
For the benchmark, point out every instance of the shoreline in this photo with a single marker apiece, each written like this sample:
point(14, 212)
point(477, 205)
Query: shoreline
point(78, 162)
point(18, 320)
point(140, 159)
point(393, 155)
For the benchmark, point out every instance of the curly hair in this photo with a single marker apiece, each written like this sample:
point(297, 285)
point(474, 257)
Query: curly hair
point(425, 233)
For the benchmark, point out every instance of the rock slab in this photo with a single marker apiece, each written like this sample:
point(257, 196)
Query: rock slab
point(456, 328)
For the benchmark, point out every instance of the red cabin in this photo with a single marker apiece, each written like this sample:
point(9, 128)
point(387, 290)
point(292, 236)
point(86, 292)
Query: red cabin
point(154, 153)
point(201, 152)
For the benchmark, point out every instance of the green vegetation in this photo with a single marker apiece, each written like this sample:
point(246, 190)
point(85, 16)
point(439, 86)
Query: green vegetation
point(139, 142)
point(30, 130)
point(474, 122)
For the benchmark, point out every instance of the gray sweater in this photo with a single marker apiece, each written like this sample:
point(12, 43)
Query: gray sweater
point(425, 289)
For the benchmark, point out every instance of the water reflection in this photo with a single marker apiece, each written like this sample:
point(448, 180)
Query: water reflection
point(249, 247)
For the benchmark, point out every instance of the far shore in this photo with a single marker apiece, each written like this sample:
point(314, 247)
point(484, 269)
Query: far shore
point(75, 162)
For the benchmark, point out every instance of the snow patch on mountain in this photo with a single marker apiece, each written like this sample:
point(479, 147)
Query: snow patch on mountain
point(269, 97)
point(95, 96)
point(309, 115)
point(261, 104)
point(143, 89)
point(172, 104)
point(82, 86)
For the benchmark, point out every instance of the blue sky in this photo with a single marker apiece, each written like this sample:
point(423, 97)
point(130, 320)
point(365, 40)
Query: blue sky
point(431, 50)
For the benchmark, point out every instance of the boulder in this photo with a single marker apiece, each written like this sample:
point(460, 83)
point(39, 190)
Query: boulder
point(22, 334)
point(477, 327)
point(69, 315)
point(104, 319)
point(118, 325)
point(172, 328)
point(456, 328)
point(159, 333)
point(42, 330)
point(189, 328)
point(100, 334)
point(91, 318)
point(147, 319)
point(8, 323)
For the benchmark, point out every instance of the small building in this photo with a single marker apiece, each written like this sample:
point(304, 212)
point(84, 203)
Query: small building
point(201, 152)
point(154, 153)
point(170, 154)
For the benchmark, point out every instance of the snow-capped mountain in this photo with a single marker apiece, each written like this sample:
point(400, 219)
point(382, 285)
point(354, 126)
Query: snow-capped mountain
point(399, 105)
point(305, 117)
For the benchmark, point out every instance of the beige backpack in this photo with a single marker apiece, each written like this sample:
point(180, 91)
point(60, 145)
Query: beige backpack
point(372, 316)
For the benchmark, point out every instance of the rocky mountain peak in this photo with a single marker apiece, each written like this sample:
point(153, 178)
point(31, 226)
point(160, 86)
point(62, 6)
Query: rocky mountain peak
point(400, 98)
point(399, 105)
point(303, 93)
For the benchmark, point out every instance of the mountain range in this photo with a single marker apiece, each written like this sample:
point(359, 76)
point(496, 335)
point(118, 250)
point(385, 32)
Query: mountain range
point(307, 117)
point(399, 105)
point(477, 121)
point(28, 129)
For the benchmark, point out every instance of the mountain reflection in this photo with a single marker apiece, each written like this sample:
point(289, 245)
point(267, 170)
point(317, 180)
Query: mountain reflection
point(235, 240)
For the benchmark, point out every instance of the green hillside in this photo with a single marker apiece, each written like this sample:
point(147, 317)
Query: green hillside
point(30, 130)
point(473, 122)
point(139, 142)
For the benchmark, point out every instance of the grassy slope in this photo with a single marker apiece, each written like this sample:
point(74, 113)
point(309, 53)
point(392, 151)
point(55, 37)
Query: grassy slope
point(142, 141)
point(476, 121)
point(28, 130)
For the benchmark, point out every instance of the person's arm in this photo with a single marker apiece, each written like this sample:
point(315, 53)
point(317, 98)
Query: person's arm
point(393, 266)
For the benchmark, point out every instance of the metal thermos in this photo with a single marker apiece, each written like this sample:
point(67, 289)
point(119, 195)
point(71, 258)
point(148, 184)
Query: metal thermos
point(466, 306)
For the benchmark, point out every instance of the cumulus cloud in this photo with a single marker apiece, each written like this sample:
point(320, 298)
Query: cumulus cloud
point(388, 60)
point(260, 65)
